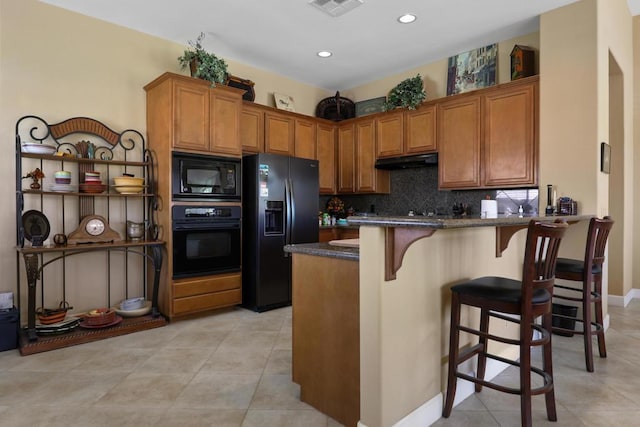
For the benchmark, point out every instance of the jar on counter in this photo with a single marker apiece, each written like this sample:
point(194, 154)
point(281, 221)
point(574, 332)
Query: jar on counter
point(325, 219)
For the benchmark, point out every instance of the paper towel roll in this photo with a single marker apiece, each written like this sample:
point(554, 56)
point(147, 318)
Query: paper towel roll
point(489, 209)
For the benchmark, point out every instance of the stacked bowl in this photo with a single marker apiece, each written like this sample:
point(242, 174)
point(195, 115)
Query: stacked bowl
point(62, 177)
point(92, 183)
point(128, 184)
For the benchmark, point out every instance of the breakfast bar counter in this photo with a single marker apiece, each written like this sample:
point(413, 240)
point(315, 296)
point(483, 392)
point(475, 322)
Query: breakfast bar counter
point(405, 267)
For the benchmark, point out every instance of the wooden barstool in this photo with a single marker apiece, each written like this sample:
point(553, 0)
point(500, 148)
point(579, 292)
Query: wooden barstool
point(589, 272)
point(501, 297)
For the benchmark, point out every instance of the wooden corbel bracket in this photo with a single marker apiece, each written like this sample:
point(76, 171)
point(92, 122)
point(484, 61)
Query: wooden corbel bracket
point(397, 241)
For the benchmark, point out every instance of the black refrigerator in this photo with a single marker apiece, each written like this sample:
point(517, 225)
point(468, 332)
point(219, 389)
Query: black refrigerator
point(280, 207)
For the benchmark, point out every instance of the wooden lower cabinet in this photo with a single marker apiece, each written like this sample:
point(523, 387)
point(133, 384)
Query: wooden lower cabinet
point(197, 294)
point(326, 335)
point(326, 234)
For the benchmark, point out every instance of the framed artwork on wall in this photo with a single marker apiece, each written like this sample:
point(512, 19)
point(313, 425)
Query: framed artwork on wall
point(605, 157)
point(284, 102)
point(370, 106)
point(472, 70)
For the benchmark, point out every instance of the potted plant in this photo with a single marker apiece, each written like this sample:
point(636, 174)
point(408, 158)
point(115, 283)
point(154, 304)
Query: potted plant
point(203, 65)
point(408, 93)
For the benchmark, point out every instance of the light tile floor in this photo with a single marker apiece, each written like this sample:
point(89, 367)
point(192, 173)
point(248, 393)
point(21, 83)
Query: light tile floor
point(233, 368)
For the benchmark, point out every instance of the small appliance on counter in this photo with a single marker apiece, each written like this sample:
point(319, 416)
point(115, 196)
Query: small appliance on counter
point(567, 206)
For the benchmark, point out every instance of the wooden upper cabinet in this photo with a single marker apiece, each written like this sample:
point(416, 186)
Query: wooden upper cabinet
point(346, 158)
point(252, 128)
point(198, 118)
point(305, 138)
point(459, 142)
point(390, 134)
point(191, 116)
point(420, 130)
point(225, 106)
point(326, 153)
point(279, 131)
point(510, 136)
point(368, 178)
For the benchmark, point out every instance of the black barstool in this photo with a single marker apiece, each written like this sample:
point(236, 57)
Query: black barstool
point(589, 272)
point(501, 297)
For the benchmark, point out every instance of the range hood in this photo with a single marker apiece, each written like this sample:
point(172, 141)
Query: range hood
point(406, 162)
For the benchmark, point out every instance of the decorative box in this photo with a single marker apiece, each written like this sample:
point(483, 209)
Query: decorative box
point(522, 62)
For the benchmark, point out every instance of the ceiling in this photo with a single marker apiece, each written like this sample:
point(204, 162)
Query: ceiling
point(283, 36)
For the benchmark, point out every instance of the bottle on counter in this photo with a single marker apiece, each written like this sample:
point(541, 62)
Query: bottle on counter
point(520, 211)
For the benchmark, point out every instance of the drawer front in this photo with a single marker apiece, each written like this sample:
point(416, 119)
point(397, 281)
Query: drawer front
point(199, 286)
point(204, 302)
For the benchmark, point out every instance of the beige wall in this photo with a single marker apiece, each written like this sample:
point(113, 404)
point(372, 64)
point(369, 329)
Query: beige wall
point(576, 42)
point(636, 139)
point(435, 73)
point(57, 64)
point(404, 322)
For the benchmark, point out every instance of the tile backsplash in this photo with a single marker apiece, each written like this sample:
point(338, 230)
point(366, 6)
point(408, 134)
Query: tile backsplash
point(417, 190)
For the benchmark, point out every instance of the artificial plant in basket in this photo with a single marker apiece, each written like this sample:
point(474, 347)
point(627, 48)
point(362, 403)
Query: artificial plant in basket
point(203, 65)
point(409, 93)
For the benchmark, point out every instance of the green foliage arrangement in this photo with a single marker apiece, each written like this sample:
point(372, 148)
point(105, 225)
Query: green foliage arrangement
point(409, 93)
point(204, 65)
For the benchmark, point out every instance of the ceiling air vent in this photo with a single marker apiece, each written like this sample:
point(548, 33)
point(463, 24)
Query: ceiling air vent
point(336, 7)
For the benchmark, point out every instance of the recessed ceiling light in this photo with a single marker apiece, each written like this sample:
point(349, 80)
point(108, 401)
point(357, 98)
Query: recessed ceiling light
point(324, 54)
point(407, 18)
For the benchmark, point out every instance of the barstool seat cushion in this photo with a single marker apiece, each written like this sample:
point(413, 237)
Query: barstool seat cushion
point(499, 289)
point(575, 266)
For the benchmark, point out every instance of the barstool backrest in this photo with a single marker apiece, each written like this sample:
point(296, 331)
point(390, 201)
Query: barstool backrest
point(596, 243)
point(541, 252)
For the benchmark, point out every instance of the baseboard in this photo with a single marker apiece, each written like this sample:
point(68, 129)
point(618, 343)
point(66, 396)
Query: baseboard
point(431, 411)
point(425, 415)
point(623, 301)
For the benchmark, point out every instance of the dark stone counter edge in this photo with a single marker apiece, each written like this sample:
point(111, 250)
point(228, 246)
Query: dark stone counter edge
point(324, 250)
point(442, 223)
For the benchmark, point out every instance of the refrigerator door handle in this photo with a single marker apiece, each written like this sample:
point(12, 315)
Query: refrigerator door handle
point(289, 212)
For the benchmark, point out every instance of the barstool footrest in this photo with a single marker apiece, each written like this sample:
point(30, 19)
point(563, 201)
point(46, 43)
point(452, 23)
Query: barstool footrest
point(547, 380)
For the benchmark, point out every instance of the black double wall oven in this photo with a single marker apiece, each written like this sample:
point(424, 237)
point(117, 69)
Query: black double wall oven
point(206, 236)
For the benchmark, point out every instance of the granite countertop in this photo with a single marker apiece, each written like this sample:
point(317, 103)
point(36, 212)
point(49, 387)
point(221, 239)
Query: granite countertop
point(324, 250)
point(331, 251)
point(447, 223)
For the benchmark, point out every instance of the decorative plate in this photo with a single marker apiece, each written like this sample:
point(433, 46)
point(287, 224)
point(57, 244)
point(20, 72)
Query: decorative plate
point(34, 148)
point(35, 224)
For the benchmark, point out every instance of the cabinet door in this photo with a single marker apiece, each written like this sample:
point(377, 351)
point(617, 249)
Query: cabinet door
point(389, 134)
point(326, 155)
point(368, 178)
point(510, 138)
point(459, 143)
point(420, 130)
point(225, 122)
point(252, 129)
point(278, 133)
point(191, 119)
point(305, 139)
point(346, 159)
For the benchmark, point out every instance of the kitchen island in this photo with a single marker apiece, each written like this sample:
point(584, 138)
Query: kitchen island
point(406, 266)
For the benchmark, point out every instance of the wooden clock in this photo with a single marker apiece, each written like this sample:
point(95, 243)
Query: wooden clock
point(93, 229)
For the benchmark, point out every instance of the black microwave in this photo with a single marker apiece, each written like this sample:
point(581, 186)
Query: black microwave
point(202, 177)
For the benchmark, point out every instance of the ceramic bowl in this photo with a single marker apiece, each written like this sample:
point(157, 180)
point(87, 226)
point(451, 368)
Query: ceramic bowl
point(130, 181)
point(62, 174)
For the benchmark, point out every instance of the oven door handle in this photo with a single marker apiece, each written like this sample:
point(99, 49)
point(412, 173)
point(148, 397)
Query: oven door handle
point(206, 226)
